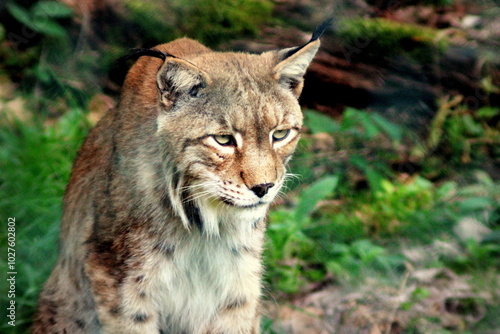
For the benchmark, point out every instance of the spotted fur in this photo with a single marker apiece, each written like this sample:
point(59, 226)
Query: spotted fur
point(164, 214)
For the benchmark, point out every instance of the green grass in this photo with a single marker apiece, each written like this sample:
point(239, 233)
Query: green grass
point(35, 162)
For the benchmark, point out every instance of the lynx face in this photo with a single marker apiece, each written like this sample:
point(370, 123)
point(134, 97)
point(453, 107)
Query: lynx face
point(228, 158)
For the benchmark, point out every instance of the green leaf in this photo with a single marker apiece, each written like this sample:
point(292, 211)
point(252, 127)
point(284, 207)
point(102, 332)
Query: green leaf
point(472, 127)
point(370, 129)
point(51, 9)
point(311, 196)
point(447, 190)
point(43, 73)
point(393, 130)
point(387, 186)
point(350, 119)
point(374, 178)
point(484, 178)
point(488, 112)
point(477, 203)
point(19, 13)
point(48, 27)
point(321, 123)
point(359, 162)
point(335, 268)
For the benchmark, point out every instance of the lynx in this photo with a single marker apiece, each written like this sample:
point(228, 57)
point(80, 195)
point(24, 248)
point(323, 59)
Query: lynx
point(164, 214)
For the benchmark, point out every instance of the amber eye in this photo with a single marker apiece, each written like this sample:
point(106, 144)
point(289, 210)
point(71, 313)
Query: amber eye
point(225, 140)
point(279, 135)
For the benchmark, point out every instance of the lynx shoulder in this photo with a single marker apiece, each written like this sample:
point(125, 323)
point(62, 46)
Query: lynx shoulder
point(164, 214)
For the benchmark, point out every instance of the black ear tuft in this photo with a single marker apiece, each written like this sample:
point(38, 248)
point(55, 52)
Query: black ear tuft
point(137, 53)
point(320, 30)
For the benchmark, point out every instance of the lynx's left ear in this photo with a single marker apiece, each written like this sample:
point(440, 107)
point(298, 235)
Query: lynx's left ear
point(293, 62)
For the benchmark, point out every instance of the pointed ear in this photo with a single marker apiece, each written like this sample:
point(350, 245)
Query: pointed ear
point(177, 77)
point(289, 72)
point(293, 62)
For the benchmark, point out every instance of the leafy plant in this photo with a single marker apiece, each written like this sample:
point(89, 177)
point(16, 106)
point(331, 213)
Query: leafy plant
point(42, 17)
point(362, 141)
point(393, 205)
point(459, 135)
point(362, 258)
point(287, 245)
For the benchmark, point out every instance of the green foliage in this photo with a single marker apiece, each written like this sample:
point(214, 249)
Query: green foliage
point(308, 242)
point(45, 58)
point(154, 20)
point(42, 17)
point(357, 123)
point(320, 123)
point(393, 205)
point(266, 326)
point(371, 39)
point(288, 244)
point(476, 256)
point(463, 135)
point(363, 141)
point(362, 258)
point(417, 295)
point(55, 55)
point(207, 21)
point(213, 22)
point(480, 202)
point(310, 197)
point(35, 162)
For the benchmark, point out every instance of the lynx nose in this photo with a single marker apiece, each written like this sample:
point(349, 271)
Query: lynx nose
point(261, 189)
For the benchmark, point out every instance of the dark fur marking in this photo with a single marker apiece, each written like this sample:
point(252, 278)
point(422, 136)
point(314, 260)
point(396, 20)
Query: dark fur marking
point(165, 248)
point(79, 323)
point(227, 201)
point(234, 191)
point(140, 317)
point(139, 279)
point(189, 142)
point(256, 223)
point(193, 214)
point(237, 251)
point(237, 303)
point(115, 310)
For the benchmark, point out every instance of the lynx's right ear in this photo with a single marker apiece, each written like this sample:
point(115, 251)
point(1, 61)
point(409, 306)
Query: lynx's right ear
point(177, 77)
point(293, 62)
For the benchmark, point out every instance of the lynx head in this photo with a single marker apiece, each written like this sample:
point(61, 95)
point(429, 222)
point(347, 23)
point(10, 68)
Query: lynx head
point(227, 124)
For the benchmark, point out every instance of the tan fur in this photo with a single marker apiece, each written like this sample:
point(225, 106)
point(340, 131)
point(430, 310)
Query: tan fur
point(163, 222)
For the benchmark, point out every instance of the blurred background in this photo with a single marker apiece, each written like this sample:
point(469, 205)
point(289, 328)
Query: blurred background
point(392, 224)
